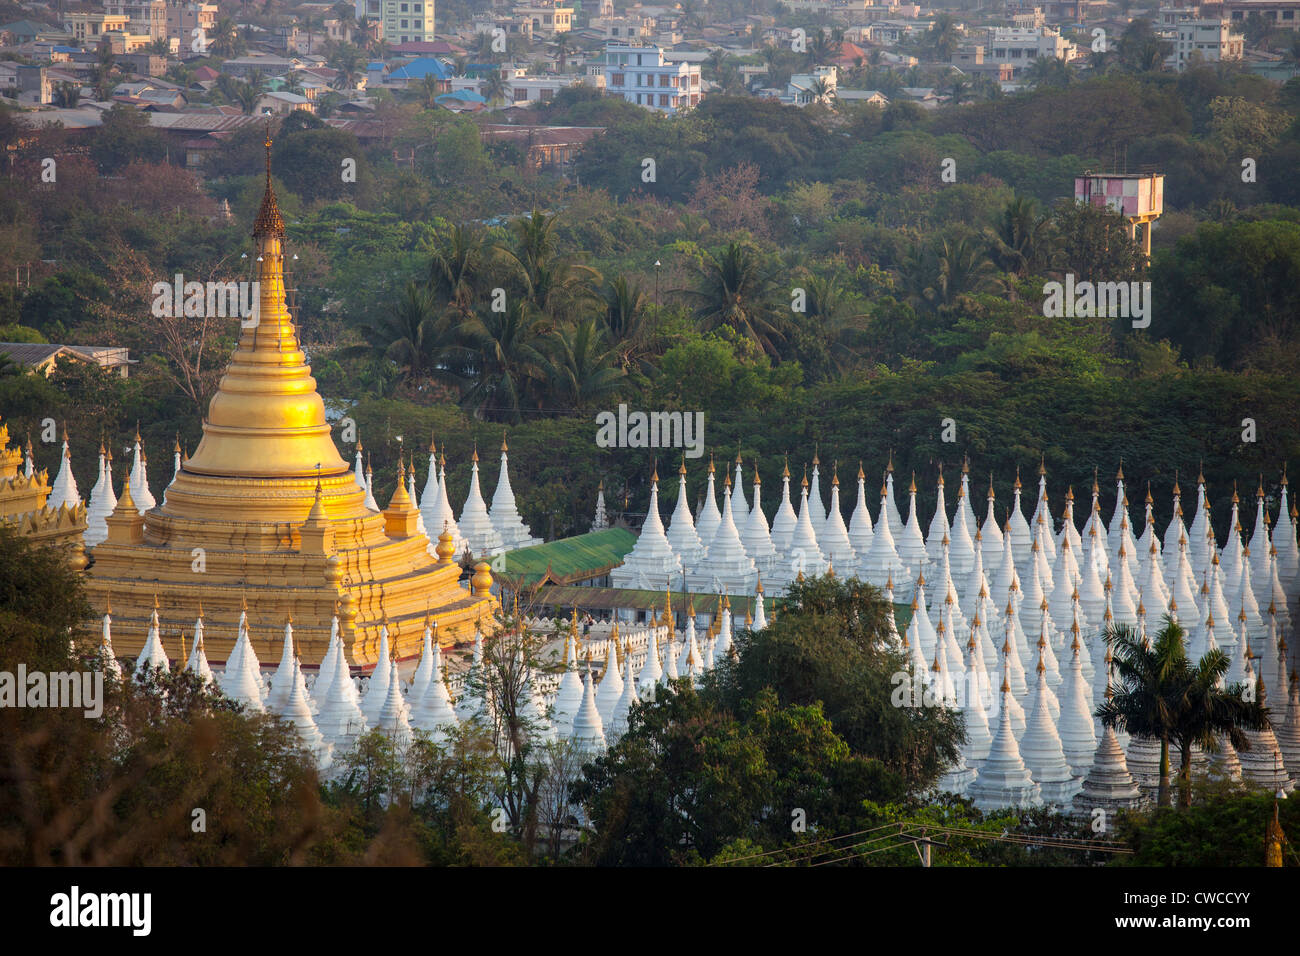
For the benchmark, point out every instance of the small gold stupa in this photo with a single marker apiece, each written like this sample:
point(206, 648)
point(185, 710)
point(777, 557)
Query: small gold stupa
point(267, 512)
point(24, 505)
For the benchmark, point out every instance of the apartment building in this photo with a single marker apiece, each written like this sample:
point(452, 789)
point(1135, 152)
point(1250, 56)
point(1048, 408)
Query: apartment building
point(143, 16)
point(1021, 46)
point(641, 74)
point(1207, 40)
point(404, 21)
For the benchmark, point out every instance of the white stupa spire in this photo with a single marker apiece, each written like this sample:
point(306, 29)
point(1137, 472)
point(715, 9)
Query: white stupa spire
point(107, 656)
point(818, 513)
point(911, 544)
point(282, 681)
point(739, 506)
point(152, 654)
point(475, 524)
point(568, 698)
point(432, 711)
point(1041, 749)
point(1077, 732)
point(140, 493)
point(600, 520)
point(339, 716)
point(990, 533)
point(888, 509)
point(880, 563)
point(588, 730)
point(429, 499)
point(1004, 780)
point(806, 555)
point(359, 469)
point(861, 529)
point(391, 718)
point(439, 517)
point(103, 500)
point(755, 535)
point(377, 690)
point(651, 564)
point(610, 688)
point(63, 490)
point(370, 488)
point(710, 517)
point(682, 536)
point(505, 518)
point(834, 538)
point(939, 526)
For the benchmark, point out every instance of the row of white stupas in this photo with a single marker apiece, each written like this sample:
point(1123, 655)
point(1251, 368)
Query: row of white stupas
point(732, 550)
point(482, 533)
point(334, 711)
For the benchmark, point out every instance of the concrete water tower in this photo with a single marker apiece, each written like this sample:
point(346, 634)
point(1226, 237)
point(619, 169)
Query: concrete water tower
point(1138, 197)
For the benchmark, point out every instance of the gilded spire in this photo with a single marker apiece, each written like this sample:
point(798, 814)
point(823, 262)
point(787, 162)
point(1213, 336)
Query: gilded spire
point(269, 223)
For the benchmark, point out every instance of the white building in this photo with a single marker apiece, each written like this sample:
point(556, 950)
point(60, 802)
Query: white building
point(641, 75)
point(1211, 38)
point(1021, 46)
point(803, 88)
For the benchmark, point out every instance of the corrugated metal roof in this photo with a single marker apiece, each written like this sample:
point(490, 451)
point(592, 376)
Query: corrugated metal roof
point(578, 558)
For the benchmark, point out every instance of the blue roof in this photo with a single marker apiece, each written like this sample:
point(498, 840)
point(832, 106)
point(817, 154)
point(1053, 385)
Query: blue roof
point(66, 49)
point(465, 96)
point(420, 68)
point(374, 65)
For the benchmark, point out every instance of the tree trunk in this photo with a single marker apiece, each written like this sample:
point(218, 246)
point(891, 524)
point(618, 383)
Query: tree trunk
point(1163, 794)
point(1185, 776)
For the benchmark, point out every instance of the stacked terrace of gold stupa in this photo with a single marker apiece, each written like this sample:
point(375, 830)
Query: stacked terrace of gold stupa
point(266, 513)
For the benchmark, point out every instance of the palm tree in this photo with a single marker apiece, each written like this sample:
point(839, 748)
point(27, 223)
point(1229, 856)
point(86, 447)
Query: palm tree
point(553, 283)
point(427, 91)
point(1023, 238)
point(821, 90)
point(312, 22)
point(626, 321)
point(455, 265)
point(494, 87)
point(563, 47)
point(246, 95)
point(821, 47)
point(224, 41)
point(346, 59)
point(1049, 71)
point(943, 36)
point(403, 335)
point(735, 290)
point(506, 358)
point(958, 88)
point(962, 268)
point(580, 366)
point(717, 56)
point(843, 330)
point(1165, 696)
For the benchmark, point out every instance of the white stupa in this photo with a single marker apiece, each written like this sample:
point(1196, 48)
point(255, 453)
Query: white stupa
point(681, 534)
point(481, 535)
point(507, 523)
point(651, 565)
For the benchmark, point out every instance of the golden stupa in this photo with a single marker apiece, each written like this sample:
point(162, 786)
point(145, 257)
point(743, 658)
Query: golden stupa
point(23, 505)
point(266, 513)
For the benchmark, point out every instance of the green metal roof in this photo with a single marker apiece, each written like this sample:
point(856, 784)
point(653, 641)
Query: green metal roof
point(564, 561)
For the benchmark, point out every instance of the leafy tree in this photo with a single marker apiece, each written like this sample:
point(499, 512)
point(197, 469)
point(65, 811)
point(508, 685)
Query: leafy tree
point(125, 137)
